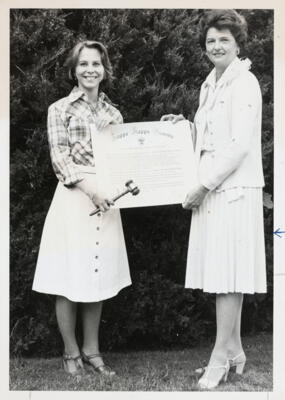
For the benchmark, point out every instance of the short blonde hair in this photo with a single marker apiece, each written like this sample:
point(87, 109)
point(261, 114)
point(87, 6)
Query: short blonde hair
point(73, 57)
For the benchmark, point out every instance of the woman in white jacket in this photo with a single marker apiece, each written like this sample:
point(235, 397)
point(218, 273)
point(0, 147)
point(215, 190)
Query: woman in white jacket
point(226, 252)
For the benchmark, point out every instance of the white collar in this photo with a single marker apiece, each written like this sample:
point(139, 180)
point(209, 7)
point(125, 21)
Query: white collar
point(236, 67)
point(77, 93)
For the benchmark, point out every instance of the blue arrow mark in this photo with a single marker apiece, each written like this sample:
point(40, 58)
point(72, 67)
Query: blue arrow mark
point(278, 232)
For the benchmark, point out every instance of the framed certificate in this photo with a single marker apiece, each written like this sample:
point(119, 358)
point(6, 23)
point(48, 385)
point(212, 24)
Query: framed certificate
point(157, 156)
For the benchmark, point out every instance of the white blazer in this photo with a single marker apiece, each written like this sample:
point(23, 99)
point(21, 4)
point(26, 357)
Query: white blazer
point(231, 112)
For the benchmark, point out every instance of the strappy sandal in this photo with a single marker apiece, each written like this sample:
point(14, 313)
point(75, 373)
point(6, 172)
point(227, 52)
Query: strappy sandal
point(79, 369)
point(207, 383)
point(101, 369)
point(200, 371)
point(238, 362)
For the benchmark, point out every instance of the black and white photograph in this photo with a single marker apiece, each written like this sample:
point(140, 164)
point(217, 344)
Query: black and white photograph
point(141, 199)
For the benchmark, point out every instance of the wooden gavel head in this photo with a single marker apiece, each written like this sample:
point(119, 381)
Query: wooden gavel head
point(132, 188)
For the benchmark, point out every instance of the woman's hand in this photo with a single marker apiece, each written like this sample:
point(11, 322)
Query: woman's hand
point(195, 197)
point(102, 122)
point(98, 200)
point(172, 118)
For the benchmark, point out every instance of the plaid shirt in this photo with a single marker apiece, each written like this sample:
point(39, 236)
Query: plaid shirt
point(69, 133)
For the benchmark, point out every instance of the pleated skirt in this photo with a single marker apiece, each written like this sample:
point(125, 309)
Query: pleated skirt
point(226, 251)
point(81, 257)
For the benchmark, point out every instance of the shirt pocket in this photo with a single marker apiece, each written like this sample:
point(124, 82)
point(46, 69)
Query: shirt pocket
point(78, 129)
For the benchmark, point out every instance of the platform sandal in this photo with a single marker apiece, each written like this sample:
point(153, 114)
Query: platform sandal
point(78, 366)
point(102, 369)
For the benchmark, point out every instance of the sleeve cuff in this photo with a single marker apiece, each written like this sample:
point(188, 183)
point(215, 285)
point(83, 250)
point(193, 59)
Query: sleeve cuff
point(210, 185)
point(72, 182)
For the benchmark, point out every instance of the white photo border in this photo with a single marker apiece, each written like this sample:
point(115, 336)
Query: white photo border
point(279, 194)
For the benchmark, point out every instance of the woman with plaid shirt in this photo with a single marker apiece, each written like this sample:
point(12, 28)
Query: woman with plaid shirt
point(82, 259)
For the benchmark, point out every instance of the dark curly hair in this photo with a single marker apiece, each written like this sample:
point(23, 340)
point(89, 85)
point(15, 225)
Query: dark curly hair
point(223, 19)
point(73, 57)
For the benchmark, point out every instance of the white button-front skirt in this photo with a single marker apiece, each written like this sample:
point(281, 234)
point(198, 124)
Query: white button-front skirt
point(82, 258)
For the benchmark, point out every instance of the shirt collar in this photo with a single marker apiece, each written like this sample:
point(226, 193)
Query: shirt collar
point(77, 93)
point(234, 69)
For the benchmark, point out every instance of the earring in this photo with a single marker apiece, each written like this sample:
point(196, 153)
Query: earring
point(237, 52)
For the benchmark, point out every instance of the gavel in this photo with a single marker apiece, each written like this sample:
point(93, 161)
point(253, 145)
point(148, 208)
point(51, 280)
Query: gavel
point(131, 188)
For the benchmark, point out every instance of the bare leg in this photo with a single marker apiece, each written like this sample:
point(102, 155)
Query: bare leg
point(91, 315)
point(235, 344)
point(66, 318)
point(227, 309)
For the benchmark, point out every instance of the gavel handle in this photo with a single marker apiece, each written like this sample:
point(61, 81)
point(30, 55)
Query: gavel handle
point(121, 195)
point(114, 199)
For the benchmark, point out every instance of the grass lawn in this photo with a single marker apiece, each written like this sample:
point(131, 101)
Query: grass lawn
point(148, 371)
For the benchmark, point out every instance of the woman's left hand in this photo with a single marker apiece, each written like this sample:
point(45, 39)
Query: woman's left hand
point(195, 197)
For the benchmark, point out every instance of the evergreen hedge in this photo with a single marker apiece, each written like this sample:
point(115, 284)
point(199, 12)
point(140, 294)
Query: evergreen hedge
point(159, 68)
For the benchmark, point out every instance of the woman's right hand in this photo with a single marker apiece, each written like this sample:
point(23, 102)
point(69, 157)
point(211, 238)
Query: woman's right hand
point(172, 118)
point(98, 200)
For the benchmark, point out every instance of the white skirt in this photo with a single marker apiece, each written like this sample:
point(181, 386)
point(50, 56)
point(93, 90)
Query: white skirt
point(226, 251)
point(82, 258)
